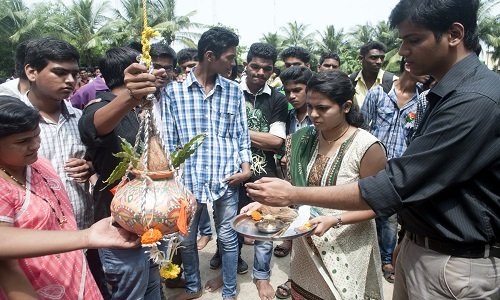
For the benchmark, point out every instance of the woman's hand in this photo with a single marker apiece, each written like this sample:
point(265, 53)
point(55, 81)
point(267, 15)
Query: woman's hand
point(104, 235)
point(324, 224)
point(248, 209)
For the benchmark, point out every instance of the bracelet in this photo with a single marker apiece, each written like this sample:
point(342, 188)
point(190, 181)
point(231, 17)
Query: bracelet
point(339, 222)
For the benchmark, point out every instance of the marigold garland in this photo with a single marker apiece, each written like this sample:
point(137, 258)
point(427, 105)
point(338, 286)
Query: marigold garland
point(151, 237)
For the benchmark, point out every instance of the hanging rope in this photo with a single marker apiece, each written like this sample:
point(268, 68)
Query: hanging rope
point(147, 34)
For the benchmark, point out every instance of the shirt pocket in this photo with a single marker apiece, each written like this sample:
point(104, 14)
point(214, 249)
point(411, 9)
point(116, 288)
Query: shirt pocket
point(224, 124)
point(384, 117)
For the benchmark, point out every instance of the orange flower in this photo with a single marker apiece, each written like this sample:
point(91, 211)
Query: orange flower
point(256, 216)
point(151, 236)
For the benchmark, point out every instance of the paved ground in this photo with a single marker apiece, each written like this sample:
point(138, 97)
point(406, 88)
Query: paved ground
point(246, 288)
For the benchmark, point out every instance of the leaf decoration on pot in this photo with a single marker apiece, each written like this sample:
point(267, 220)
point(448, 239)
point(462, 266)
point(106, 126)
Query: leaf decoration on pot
point(128, 155)
point(179, 156)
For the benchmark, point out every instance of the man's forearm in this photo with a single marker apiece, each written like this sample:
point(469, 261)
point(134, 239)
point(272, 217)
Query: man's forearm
point(345, 197)
point(265, 141)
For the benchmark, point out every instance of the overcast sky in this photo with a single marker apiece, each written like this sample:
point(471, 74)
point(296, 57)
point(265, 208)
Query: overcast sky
point(253, 18)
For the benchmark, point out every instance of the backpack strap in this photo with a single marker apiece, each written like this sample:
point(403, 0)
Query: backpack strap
point(353, 78)
point(387, 81)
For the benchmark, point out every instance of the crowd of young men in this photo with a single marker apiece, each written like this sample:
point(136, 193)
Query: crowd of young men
point(247, 122)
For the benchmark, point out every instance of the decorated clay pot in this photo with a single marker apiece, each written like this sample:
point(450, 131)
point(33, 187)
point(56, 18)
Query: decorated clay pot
point(165, 198)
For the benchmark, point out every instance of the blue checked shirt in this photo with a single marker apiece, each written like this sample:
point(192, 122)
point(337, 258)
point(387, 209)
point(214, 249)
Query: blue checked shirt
point(221, 115)
point(386, 121)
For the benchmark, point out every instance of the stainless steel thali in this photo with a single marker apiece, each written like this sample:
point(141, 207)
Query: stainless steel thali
point(246, 226)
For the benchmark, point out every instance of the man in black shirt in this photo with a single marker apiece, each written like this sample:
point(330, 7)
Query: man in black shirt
point(446, 184)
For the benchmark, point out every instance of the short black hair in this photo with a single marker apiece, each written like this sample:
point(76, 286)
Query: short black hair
point(438, 15)
point(372, 45)
point(16, 116)
point(114, 62)
point(217, 40)
point(20, 59)
point(187, 54)
point(328, 55)
point(40, 51)
point(296, 74)
point(160, 50)
point(298, 52)
point(262, 50)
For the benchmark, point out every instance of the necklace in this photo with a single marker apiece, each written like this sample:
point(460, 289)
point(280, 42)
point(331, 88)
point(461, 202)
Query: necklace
point(335, 139)
point(61, 220)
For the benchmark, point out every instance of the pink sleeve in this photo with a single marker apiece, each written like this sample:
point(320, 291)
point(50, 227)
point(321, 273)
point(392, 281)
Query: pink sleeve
point(9, 202)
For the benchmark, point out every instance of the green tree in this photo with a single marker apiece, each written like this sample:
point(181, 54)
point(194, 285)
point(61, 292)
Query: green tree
point(330, 39)
point(362, 34)
point(295, 34)
point(85, 25)
point(384, 34)
point(273, 39)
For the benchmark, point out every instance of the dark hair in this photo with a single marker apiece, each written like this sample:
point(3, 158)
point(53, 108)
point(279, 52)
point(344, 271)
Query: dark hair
point(16, 116)
point(187, 54)
point(298, 52)
point(114, 62)
point(262, 50)
point(217, 40)
point(438, 16)
point(40, 51)
point(296, 74)
point(372, 45)
point(328, 55)
point(135, 45)
point(20, 57)
point(160, 50)
point(337, 86)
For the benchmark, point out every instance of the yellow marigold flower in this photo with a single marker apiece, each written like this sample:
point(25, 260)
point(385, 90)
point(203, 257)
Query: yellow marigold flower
point(169, 270)
point(146, 36)
point(151, 236)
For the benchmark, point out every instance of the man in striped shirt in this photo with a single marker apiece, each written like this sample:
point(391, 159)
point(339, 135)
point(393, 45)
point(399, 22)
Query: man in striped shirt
point(210, 104)
point(51, 66)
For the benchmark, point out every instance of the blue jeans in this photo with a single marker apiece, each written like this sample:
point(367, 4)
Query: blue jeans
point(130, 274)
point(225, 209)
point(204, 226)
point(262, 260)
point(387, 228)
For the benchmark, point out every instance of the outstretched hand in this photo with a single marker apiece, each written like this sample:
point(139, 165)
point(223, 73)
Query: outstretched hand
point(271, 191)
point(104, 235)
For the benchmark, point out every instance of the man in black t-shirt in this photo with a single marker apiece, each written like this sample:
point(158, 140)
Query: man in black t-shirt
point(266, 115)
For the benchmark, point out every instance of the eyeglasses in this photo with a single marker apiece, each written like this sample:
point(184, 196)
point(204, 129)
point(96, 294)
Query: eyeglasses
point(257, 67)
point(168, 68)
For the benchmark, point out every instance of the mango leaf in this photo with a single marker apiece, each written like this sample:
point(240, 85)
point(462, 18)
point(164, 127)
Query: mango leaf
point(127, 155)
point(179, 156)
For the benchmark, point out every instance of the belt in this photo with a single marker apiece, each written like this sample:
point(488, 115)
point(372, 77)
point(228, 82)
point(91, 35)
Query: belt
point(456, 249)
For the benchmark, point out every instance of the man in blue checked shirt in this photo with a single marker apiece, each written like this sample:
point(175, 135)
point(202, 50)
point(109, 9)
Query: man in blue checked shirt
point(391, 118)
point(208, 103)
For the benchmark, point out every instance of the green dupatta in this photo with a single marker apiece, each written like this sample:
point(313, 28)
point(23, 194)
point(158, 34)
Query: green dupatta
point(303, 147)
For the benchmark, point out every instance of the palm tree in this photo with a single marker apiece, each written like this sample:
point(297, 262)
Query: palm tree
point(362, 34)
point(85, 25)
point(330, 40)
point(273, 39)
point(386, 35)
point(176, 28)
point(161, 17)
point(18, 22)
point(295, 34)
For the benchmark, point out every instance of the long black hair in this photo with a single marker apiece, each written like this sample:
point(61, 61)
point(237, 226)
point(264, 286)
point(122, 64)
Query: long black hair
point(337, 86)
point(16, 116)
